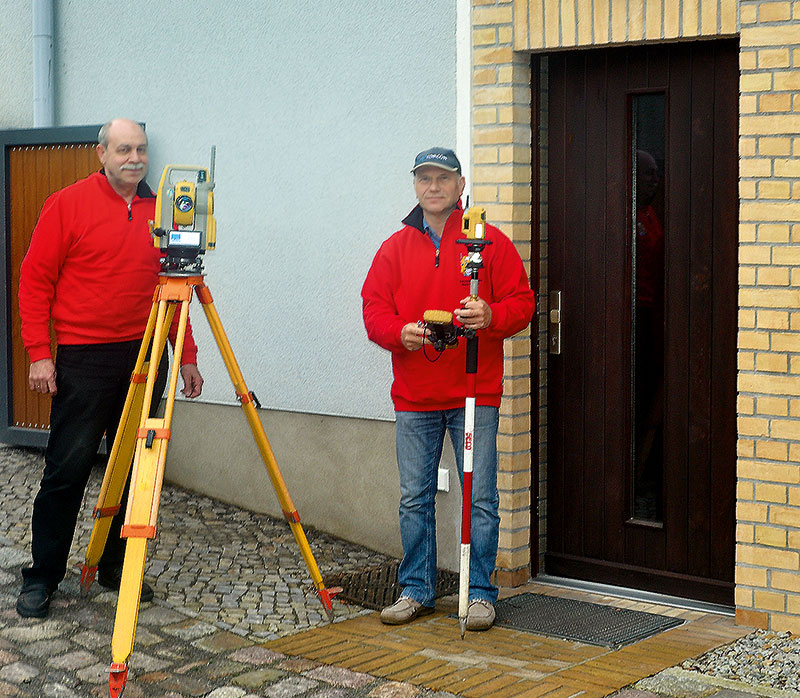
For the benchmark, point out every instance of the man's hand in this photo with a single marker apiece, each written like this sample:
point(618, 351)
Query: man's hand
point(412, 336)
point(42, 376)
point(475, 315)
point(192, 380)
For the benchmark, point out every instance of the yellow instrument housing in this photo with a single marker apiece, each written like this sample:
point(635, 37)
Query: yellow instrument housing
point(475, 223)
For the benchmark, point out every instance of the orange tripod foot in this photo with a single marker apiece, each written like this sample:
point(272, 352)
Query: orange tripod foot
point(326, 596)
point(87, 578)
point(117, 679)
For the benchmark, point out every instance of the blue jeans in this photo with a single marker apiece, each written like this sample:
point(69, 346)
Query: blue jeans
point(420, 437)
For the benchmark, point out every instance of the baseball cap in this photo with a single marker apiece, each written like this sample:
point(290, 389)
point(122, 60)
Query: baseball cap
point(438, 157)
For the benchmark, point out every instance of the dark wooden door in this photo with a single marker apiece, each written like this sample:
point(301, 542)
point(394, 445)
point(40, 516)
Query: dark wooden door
point(35, 164)
point(641, 397)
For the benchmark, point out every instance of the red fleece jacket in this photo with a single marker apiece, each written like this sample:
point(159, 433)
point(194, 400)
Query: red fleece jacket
point(405, 281)
point(92, 268)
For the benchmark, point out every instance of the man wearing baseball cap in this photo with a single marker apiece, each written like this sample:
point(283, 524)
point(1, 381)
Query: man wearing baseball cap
point(423, 267)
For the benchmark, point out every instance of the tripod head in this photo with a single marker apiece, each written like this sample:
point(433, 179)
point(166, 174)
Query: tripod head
point(184, 226)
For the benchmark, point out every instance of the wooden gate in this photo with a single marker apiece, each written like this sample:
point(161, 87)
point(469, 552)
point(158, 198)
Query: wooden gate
point(35, 164)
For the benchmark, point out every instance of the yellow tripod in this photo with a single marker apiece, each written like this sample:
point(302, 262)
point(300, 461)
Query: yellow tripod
point(144, 440)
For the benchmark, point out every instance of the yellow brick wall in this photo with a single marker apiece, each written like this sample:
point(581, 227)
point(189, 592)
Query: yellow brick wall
point(501, 174)
point(553, 24)
point(768, 447)
point(768, 491)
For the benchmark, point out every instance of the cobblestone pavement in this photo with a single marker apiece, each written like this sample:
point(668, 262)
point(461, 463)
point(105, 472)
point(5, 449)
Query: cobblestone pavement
point(223, 564)
point(225, 580)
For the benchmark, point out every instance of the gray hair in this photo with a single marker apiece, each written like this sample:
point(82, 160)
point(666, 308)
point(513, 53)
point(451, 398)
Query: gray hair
point(102, 134)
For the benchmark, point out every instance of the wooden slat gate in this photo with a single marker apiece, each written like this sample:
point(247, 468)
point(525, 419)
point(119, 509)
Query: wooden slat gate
point(34, 164)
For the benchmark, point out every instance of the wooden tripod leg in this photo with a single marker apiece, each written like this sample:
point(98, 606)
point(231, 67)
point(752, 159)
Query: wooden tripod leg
point(121, 455)
point(152, 439)
point(267, 455)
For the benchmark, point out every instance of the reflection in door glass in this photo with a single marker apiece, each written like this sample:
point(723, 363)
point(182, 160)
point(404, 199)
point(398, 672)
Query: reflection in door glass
point(647, 294)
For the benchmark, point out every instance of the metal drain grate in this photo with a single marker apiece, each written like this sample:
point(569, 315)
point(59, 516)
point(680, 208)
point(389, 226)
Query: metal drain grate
point(591, 623)
point(377, 587)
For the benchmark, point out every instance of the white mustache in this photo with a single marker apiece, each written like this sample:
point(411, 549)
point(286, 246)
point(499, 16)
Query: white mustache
point(132, 166)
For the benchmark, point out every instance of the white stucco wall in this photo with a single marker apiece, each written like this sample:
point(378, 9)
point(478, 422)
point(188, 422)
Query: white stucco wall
point(16, 64)
point(317, 111)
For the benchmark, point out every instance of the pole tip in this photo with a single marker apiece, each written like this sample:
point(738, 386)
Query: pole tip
point(462, 626)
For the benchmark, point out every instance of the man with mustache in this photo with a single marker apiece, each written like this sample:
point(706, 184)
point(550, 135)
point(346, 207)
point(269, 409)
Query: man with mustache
point(91, 269)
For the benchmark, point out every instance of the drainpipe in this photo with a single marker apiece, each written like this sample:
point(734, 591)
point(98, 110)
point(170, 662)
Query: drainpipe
point(43, 88)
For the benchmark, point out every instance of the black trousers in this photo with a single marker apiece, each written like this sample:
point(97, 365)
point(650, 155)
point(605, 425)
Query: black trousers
point(92, 382)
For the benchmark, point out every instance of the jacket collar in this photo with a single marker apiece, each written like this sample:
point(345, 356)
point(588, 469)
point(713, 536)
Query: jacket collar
point(414, 219)
point(143, 191)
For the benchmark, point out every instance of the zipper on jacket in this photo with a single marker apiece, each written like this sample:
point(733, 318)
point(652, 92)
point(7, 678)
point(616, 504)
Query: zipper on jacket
point(437, 256)
point(130, 214)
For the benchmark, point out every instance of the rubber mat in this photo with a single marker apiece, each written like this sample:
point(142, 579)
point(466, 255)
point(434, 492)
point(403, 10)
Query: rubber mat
point(377, 587)
point(594, 624)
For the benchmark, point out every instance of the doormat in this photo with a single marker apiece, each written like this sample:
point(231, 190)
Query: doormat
point(377, 587)
point(594, 624)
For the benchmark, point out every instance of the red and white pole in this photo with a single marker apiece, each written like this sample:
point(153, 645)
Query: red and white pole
point(466, 487)
point(474, 225)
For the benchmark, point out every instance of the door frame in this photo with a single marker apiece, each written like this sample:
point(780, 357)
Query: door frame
point(63, 135)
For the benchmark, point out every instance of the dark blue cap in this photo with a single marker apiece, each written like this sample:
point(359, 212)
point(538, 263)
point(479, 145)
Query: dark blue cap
point(438, 157)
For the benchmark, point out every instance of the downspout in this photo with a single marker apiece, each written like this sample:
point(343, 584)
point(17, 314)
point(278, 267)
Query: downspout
point(43, 86)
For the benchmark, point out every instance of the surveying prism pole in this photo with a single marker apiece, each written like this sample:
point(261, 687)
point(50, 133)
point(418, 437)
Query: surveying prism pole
point(474, 225)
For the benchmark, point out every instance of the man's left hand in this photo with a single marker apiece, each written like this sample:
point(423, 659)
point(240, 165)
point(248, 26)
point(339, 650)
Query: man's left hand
point(192, 380)
point(475, 315)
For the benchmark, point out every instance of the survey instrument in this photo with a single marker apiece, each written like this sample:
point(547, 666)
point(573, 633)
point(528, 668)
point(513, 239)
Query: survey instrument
point(187, 229)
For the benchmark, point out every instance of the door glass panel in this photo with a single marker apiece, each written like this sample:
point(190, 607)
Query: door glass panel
point(647, 305)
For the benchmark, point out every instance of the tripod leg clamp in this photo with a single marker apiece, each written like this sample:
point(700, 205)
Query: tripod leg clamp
point(102, 513)
point(292, 516)
point(150, 435)
point(244, 398)
point(134, 531)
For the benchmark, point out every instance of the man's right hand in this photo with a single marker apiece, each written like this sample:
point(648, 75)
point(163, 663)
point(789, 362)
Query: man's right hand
point(412, 336)
point(42, 376)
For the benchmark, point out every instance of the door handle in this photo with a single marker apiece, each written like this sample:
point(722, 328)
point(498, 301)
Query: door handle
point(554, 322)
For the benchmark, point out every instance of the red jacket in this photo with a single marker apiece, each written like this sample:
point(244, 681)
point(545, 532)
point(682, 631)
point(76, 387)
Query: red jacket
point(405, 281)
point(92, 268)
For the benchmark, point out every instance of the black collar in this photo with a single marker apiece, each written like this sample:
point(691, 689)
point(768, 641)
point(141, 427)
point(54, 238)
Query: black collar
point(143, 191)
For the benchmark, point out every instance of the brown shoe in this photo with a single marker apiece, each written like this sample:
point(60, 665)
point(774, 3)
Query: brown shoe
point(480, 615)
point(404, 610)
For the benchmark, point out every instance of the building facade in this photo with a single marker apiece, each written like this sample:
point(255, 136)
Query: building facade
point(317, 115)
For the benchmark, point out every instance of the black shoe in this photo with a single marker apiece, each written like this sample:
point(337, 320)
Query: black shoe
point(34, 601)
point(113, 580)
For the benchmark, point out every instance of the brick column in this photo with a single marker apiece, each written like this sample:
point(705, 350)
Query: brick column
point(502, 184)
point(768, 491)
